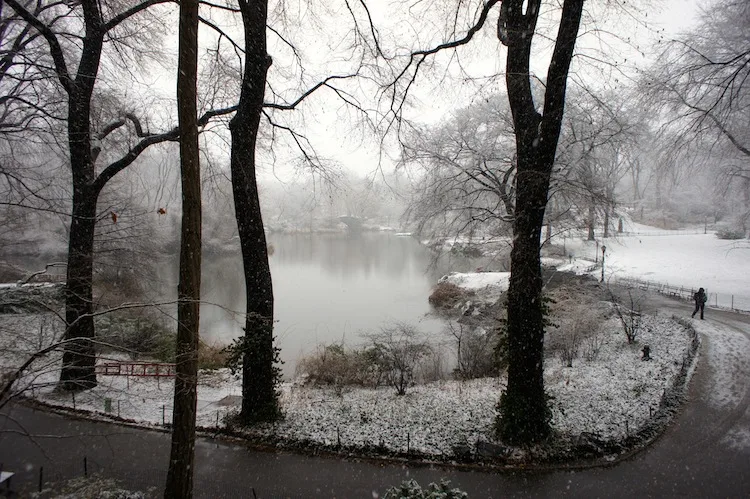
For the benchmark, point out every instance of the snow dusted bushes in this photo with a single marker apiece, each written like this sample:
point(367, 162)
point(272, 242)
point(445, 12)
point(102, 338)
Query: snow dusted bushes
point(476, 353)
point(410, 489)
point(447, 295)
point(629, 314)
point(730, 232)
point(401, 348)
point(137, 333)
point(338, 366)
point(574, 322)
point(394, 357)
point(93, 487)
point(212, 356)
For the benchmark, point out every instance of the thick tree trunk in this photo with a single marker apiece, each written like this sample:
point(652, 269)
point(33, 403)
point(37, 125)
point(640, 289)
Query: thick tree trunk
point(79, 358)
point(523, 406)
point(259, 397)
point(182, 456)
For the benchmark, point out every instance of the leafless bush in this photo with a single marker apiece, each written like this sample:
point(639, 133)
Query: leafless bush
point(433, 366)
point(629, 314)
point(337, 366)
point(212, 356)
point(574, 319)
point(474, 351)
point(400, 348)
point(447, 295)
point(592, 346)
point(569, 348)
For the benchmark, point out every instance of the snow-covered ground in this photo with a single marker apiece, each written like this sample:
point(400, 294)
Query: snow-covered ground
point(677, 258)
point(611, 395)
point(680, 258)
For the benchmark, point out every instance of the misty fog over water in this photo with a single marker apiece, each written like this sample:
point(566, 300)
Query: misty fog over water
point(327, 288)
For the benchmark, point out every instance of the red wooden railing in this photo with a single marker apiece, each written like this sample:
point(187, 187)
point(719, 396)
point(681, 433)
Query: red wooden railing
point(158, 369)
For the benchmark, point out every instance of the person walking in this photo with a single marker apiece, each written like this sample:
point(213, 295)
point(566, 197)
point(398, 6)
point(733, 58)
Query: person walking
point(700, 298)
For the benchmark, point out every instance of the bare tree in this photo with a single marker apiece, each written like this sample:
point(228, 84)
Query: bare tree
point(523, 406)
point(700, 84)
point(78, 366)
point(260, 373)
point(466, 172)
point(597, 135)
point(75, 68)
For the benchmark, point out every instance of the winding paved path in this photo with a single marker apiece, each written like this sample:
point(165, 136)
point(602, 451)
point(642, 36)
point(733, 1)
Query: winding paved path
point(704, 453)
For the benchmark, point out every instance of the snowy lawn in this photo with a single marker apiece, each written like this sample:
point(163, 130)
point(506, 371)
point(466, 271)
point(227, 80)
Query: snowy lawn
point(610, 396)
point(677, 258)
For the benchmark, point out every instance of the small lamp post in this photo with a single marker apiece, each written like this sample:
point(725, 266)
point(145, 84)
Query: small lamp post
point(604, 249)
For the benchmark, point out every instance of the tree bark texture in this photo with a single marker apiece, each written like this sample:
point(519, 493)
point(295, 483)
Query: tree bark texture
point(182, 456)
point(259, 397)
point(79, 357)
point(524, 413)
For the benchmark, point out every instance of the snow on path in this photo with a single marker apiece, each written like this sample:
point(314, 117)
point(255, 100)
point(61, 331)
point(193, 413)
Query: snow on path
point(677, 259)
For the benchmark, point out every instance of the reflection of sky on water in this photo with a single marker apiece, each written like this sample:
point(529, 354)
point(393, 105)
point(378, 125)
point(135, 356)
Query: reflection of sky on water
point(327, 287)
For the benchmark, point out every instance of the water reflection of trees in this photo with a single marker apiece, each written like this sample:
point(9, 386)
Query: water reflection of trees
point(352, 255)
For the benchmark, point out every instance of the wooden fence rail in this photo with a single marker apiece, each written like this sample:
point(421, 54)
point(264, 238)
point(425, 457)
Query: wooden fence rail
point(155, 369)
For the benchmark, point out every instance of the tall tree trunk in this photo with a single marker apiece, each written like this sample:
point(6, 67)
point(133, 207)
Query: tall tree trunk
point(591, 221)
point(606, 222)
point(524, 402)
point(259, 397)
point(79, 358)
point(524, 416)
point(182, 456)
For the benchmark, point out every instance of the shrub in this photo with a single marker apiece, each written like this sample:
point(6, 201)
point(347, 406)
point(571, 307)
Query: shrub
point(93, 487)
point(574, 319)
point(731, 233)
point(592, 346)
point(410, 489)
point(334, 365)
point(138, 334)
point(400, 348)
point(466, 250)
point(569, 348)
point(10, 273)
point(211, 356)
point(629, 315)
point(475, 351)
point(432, 367)
point(447, 295)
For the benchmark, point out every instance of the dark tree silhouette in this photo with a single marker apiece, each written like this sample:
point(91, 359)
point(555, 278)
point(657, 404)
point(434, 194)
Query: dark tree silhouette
point(259, 400)
point(523, 406)
point(182, 456)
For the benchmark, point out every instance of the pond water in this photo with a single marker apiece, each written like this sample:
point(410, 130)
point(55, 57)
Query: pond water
point(327, 288)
